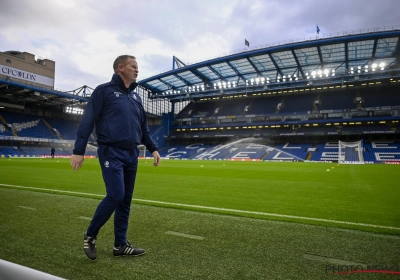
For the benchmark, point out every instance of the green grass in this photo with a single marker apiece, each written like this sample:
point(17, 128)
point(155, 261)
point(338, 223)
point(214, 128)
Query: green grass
point(235, 245)
point(360, 194)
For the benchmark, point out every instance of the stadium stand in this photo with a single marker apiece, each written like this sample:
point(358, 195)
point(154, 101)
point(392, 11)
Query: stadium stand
point(298, 103)
point(27, 125)
point(382, 151)
point(301, 100)
point(63, 129)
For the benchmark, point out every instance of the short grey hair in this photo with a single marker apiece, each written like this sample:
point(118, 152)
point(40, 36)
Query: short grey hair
point(122, 59)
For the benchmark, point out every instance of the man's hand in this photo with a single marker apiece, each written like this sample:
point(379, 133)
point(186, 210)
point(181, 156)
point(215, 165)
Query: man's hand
point(76, 161)
point(157, 158)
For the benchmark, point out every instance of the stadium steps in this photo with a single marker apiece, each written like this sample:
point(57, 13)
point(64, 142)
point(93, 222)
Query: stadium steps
point(14, 132)
point(3, 120)
point(6, 126)
point(50, 128)
point(315, 107)
point(359, 106)
point(155, 132)
point(311, 153)
point(264, 155)
point(220, 109)
point(283, 104)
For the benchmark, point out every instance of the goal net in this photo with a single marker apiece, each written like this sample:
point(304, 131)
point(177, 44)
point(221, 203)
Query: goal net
point(351, 152)
point(142, 151)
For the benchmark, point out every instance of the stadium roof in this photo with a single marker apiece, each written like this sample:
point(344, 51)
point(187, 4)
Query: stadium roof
point(360, 56)
point(20, 95)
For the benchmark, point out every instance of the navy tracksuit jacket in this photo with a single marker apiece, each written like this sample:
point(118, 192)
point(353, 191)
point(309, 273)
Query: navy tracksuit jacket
point(118, 115)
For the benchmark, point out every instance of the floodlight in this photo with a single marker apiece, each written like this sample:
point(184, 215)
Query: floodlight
point(374, 65)
point(382, 65)
point(326, 71)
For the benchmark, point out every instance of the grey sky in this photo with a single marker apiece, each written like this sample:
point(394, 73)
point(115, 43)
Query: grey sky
point(85, 36)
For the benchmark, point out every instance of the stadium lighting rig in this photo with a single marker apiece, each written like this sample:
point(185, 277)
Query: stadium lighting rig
point(74, 110)
point(189, 89)
point(224, 85)
point(260, 83)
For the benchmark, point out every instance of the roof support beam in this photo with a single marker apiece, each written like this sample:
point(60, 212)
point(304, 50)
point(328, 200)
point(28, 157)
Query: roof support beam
point(205, 80)
point(236, 71)
point(346, 55)
point(167, 84)
point(278, 69)
point(254, 66)
point(183, 80)
point(320, 57)
point(298, 63)
point(216, 73)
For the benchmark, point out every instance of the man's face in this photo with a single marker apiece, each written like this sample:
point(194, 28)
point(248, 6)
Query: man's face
point(129, 71)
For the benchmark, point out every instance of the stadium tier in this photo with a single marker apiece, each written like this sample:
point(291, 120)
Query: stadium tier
point(298, 100)
point(372, 152)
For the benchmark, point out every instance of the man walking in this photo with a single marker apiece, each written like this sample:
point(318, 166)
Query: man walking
point(117, 113)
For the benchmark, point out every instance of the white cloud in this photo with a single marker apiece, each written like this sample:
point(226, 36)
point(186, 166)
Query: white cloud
point(84, 37)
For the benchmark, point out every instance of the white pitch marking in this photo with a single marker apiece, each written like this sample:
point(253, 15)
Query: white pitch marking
point(25, 207)
point(331, 260)
point(85, 218)
point(220, 209)
point(185, 235)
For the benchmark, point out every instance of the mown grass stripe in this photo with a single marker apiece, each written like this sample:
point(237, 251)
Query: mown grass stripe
point(85, 218)
point(218, 209)
point(185, 235)
point(331, 260)
point(26, 207)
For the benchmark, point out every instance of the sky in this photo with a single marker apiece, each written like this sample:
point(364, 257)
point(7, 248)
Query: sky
point(84, 37)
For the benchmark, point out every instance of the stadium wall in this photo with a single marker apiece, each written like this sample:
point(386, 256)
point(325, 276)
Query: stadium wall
point(23, 67)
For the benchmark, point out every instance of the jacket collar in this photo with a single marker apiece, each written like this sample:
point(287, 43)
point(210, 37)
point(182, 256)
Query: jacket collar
point(118, 80)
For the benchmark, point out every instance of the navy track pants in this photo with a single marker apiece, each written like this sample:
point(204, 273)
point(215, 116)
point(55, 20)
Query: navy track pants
point(119, 168)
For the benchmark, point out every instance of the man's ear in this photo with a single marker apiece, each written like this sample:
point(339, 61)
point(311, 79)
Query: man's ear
point(120, 66)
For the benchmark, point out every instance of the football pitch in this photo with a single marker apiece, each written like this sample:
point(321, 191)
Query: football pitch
point(207, 219)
